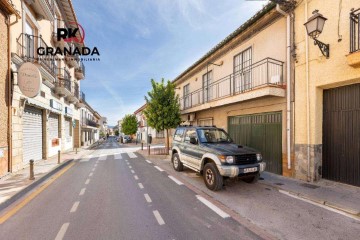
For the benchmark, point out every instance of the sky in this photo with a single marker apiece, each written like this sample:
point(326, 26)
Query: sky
point(140, 40)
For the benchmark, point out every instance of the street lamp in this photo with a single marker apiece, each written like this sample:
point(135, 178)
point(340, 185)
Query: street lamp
point(314, 27)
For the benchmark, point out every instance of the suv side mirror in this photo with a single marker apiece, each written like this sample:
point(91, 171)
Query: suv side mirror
point(193, 140)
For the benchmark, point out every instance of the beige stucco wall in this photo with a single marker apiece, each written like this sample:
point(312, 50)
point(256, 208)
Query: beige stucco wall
point(3, 95)
point(270, 42)
point(323, 74)
point(44, 29)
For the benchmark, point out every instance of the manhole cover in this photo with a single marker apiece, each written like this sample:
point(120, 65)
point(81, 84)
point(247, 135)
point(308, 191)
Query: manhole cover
point(309, 185)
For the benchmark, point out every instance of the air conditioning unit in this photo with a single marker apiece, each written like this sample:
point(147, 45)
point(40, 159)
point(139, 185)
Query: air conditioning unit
point(191, 117)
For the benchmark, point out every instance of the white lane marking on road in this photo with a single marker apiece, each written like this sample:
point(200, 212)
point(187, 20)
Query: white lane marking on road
point(127, 163)
point(102, 158)
point(175, 180)
point(75, 206)
point(210, 205)
point(132, 171)
point(148, 161)
point(87, 181)
point(91, 174)
point(320, 205)
point(136, 177)
point(85, 160)
point(140, 185)
point(82, 192)
point(117, 156)
point(62, 231)
point(93, 169)
point(158, 217)
point(147, 197)
point(158, 168)
point(130, 167)
point(132, 155)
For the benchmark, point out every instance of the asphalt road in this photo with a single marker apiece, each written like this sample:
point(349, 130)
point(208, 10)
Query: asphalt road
point(117, 194)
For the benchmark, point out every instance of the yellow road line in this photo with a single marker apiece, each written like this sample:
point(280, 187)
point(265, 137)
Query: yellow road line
point(20, 205)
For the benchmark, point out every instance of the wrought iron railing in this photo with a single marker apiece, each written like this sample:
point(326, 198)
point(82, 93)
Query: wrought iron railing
point(63, 78)
point(76, 90)
point(265, 72)
point(355, 31)
point(81, 68)
point(27, 46)
point(91, 123)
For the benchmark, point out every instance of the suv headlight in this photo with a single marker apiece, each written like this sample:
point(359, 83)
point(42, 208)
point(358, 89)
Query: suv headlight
point(258, 157)
point(226, 159)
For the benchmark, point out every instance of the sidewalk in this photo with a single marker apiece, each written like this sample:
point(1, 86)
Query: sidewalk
point(13, 186)
point(335, 195)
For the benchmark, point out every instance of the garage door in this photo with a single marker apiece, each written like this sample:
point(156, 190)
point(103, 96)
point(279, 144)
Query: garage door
point(32, 134)
point(341, 134)
point(53, 126)
point(262, 132)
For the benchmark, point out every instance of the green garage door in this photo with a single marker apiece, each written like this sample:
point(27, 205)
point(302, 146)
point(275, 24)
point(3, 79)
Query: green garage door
point(262, 132)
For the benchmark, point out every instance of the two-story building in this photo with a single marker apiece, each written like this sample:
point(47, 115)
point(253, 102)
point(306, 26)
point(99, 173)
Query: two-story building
point(243, 85)
point(91, 123)
point(327, 92)
point(47, 122)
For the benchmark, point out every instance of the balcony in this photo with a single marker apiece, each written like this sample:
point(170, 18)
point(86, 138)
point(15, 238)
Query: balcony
point(63, 82)
point(74, 97)
point(26, 51)
point(353, 58)
point(263, 78)
point(81, 102)
point(72, 60)
point(58, 23)
point(80, 71)
point(42, 8)
point(91, 123)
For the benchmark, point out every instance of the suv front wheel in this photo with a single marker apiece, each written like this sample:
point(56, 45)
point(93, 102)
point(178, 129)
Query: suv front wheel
point(212, 178)
point(177, 164)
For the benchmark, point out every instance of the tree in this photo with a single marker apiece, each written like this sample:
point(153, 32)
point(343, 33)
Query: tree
point(116, 132)
point(162, 110)
point(129, 124)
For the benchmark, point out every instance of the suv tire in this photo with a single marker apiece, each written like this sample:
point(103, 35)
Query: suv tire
point(177, 164)
point(252, 179)
point(212, 178)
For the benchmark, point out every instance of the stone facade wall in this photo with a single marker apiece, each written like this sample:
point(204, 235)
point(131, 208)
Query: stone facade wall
point(301, 164)
point(4, 58)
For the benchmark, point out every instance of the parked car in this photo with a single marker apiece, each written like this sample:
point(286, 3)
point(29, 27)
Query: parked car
point(211, 152)
point(127, 139)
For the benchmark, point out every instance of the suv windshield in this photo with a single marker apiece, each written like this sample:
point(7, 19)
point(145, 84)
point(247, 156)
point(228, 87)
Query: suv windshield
point(213, 135)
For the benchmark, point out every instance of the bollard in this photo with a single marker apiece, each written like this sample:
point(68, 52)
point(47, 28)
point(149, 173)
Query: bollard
point(58, 156)
point(31, 170)
point(142, 146)
point(75, 150)
point(149, 149)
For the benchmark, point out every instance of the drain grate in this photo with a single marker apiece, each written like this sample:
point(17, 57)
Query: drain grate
point(309, 185)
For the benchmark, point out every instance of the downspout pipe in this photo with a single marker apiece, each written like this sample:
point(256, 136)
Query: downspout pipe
point(288, 82)
point(307, 94)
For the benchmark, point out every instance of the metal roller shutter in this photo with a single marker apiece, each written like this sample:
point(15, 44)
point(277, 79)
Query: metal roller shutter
point(68, 129)
point(53, 126)
point(32, 134)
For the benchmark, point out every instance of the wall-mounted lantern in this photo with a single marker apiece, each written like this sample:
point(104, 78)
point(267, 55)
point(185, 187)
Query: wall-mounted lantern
point(314, 27)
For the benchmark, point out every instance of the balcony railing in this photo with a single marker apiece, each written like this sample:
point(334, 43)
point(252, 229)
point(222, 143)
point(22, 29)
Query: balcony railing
point(26, 49)
point(76, 90)
point(82, 96)
point(81, 68)
point(355, 31)
point(267, 72)
point(91, 123)
point(63, 78)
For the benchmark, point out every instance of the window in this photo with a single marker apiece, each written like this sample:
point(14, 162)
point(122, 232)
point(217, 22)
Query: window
point(179, 134)
point(186, 96)
point(191, 133)
point(205, 122)
point(160, 134)
point(213, 135)
point(354, 31)
point(207, 88)
point(242, 71)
